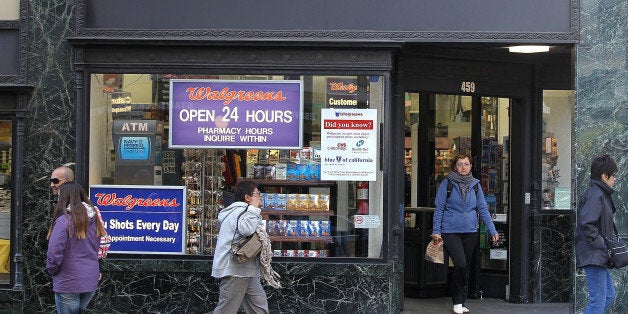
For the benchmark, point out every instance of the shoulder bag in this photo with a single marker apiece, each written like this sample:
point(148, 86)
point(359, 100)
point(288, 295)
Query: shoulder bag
point(247, 248)
point(617, 250)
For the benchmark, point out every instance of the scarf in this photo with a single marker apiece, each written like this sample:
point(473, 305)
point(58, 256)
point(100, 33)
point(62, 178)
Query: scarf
point(267, 273)
point(464, 182)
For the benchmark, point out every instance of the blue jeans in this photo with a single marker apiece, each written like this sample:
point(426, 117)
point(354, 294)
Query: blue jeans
point(70, 303)
point(601, 289)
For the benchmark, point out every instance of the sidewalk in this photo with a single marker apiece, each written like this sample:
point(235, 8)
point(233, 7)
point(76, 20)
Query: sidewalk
point(489, 306)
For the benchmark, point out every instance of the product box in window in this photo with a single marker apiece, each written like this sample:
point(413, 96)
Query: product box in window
point(269, 171)
point(304, 228)
point(250, 170)
point(313, 202)
point(303, 201)
point(281, 171)
point(284, 156)
point(270, 200)
point(316, 155)
point(280, 202)
point(323, 202)
point(314, 229)
point(263, 156)
point(295, 156)
point(259, 171)
point(282, 227)
point(273, 156)
point(251, 156)
point(292, 171)
point(272, 227)
point(314, 171)
point(292, 201)
point(292, 228)
point(325, 228)
point(303, 171)
point(306, 155)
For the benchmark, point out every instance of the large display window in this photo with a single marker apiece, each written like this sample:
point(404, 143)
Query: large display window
point(320, 177)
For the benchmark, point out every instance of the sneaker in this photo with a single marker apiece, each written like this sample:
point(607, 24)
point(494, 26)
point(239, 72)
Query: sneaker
point(465, 310)
point(458, 309)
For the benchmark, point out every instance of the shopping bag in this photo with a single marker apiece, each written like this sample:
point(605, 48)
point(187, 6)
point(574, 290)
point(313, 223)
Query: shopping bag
point(434, 252)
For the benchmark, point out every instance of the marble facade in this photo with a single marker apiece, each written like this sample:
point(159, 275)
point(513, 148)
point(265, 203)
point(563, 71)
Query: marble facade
point(601, 114)
point(147, 285)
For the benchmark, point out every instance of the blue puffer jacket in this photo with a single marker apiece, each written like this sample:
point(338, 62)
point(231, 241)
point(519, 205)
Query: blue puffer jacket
point(451, 216)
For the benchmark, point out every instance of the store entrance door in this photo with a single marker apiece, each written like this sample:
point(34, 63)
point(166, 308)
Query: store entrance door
point(439, 127)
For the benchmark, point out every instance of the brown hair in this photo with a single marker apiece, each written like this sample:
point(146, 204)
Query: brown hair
point(72, 195)
point(454, 161)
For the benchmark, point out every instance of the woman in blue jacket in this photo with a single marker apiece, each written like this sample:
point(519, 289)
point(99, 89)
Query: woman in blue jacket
point(595, 221)
point(456, 223)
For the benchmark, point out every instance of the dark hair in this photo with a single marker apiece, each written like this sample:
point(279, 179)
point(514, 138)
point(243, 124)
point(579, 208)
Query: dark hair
point(454, 161)
point(604, 164)
point(72, 195)
point(242, 189)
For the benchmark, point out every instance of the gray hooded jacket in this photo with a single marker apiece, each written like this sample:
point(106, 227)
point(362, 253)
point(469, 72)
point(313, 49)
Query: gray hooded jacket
point(224, 265)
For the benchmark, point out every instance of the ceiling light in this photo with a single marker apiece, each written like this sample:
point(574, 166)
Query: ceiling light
point(528, 49)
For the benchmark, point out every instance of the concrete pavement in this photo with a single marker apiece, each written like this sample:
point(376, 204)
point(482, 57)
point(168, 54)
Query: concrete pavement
point(483, 306)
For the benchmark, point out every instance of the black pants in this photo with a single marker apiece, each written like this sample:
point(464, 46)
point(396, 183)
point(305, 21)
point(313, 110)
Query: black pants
point(460, 247)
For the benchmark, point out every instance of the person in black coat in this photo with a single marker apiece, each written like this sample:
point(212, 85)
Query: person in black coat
point(595, 221)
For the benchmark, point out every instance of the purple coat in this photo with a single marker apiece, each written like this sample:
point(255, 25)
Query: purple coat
point(73, 263)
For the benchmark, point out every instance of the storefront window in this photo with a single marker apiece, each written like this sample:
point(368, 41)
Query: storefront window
point(6, 137)
point(10, 10)
point(556, 149)
point(309, 212)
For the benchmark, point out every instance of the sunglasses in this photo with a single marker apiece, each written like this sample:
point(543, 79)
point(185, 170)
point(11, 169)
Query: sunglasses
point(55, 180)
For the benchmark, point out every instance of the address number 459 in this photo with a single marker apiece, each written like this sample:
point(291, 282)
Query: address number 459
point(468, 87)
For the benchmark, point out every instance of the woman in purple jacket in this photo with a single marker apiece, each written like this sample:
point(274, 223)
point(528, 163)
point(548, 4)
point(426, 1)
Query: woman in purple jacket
point(73, 241)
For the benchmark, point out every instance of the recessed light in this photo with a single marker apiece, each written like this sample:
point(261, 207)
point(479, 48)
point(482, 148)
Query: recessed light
point(528, 49)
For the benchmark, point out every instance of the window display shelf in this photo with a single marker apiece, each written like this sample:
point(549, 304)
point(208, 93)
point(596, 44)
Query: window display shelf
point(298, 212)
point(322, 239)
point(305, 183)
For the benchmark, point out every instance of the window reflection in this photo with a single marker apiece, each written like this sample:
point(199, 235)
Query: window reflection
point(5, 197)
point(323, 226)
point(556, 149)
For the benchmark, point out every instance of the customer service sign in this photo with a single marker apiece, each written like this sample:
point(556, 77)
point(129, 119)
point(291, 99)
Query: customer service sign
point(236, 114)
point(349, 144)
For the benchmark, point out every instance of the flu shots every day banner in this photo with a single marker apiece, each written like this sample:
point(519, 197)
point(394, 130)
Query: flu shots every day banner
point(349, 144)
point(142, 219)
point(236, 114)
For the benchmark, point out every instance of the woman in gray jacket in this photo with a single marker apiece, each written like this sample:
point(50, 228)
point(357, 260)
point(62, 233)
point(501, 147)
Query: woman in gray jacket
point(595, 221)
point(239, 283)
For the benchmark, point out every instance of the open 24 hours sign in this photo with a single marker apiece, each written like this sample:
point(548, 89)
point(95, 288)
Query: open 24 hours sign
point(142, 219)
point(236, 114)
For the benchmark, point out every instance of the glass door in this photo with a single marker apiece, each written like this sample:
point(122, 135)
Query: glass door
point(441, 126)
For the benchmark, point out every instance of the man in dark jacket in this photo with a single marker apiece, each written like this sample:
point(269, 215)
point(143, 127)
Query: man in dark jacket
point(595, 221)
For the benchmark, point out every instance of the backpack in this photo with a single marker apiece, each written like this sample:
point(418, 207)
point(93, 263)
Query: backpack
point(450, 186)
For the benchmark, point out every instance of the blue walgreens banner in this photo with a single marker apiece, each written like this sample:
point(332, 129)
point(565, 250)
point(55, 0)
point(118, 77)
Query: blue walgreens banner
point(142, 219)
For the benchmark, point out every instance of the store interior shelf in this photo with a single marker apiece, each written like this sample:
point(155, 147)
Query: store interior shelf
point(309, 183)
point(298, 212)
point(301, 239)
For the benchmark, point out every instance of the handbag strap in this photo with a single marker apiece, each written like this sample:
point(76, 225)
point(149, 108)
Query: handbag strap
point(238, 222)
